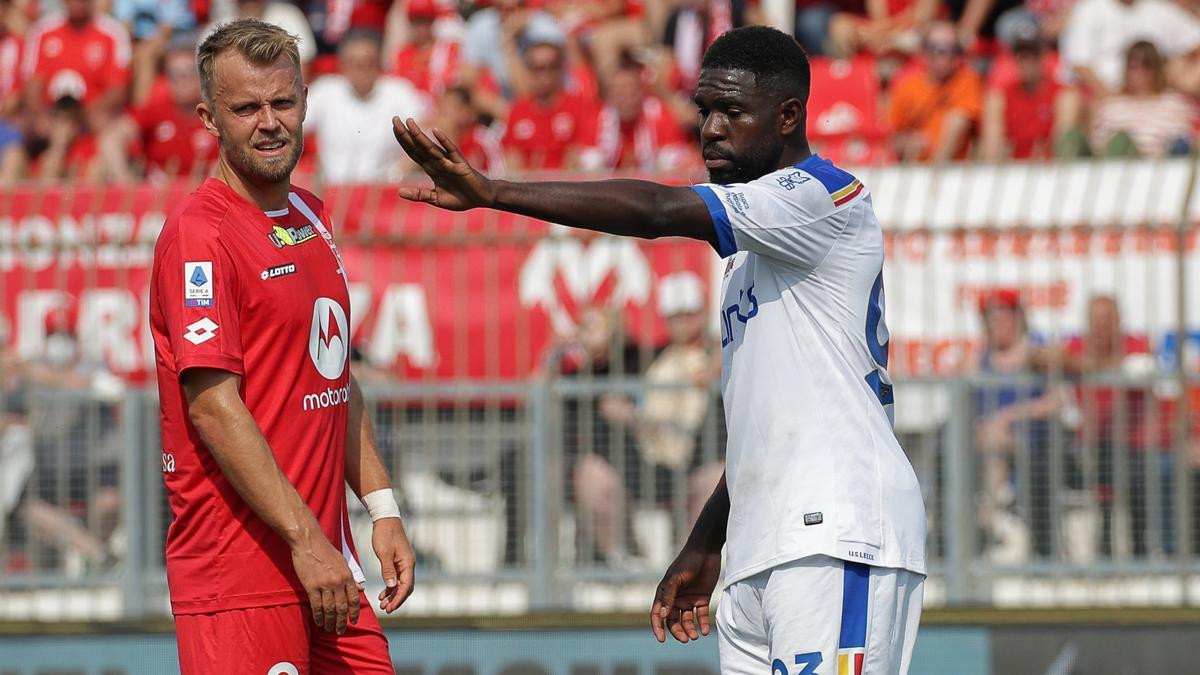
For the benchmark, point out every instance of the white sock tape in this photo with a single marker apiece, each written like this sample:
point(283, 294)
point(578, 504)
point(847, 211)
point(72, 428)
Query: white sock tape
point(381, 504)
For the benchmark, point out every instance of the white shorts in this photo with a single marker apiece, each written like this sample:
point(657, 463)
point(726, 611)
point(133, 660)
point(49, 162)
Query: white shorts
point(820, 616)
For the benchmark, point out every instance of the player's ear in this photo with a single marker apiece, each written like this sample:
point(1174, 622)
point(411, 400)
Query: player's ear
point(303, 102)
point(791, 117)
point(206, 116)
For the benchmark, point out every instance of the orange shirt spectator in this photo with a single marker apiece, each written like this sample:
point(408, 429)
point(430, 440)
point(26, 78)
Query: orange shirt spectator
point(80, 55)
point(935, 108)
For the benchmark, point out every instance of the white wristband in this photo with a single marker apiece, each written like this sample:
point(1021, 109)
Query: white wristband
point(381, 504)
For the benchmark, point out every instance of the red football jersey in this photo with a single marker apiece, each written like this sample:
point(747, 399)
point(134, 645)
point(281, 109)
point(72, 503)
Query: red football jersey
point(541, 136)
point(431, 69)
point(640, 144)
point(263, 296)
point(173, 140)
point(79, 62)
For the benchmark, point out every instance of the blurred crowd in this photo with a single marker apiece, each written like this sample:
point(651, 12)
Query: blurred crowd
point(1080, 444)
point(105, 90)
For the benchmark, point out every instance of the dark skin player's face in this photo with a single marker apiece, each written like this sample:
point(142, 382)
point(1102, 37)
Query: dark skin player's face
point(743, 127)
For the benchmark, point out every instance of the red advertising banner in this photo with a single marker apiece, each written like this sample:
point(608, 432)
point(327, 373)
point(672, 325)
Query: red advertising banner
point(434, 294)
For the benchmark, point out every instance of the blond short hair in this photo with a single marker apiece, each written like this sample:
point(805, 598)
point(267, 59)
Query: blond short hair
point(259, 42)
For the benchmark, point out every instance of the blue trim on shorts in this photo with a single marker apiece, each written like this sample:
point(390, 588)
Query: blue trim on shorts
point(856, 591)
point(725, 245)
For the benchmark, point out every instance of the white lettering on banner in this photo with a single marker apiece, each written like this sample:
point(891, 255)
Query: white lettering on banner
point(402, 328)
point(107, 241)
point(111, 317)
point(583, 269)
point(32, 309)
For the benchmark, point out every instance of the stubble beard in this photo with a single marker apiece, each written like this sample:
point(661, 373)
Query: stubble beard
point(244, 160)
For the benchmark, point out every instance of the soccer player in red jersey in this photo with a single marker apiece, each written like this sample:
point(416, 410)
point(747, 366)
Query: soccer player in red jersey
point(263, 425)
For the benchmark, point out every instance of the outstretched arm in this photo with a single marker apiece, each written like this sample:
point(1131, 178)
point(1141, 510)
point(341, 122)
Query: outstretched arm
point(633, 208)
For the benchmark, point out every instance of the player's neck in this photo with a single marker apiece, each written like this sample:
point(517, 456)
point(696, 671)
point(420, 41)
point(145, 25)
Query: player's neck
point(266, 196)
point(793, 155)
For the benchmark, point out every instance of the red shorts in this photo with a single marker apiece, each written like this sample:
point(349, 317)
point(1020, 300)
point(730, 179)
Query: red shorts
point(281, 640)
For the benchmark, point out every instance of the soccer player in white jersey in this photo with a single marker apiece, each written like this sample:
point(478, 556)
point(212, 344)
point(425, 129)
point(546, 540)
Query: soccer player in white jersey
point(819, 509)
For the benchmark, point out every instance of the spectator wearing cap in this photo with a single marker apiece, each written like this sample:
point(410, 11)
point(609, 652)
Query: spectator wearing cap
point(936, 107)
point(430, 63)
point(1012, 418)
point(1021, 116)
point(164, 137)
point(345, 109)
point(78, 54)
point(497, 38)
point(548, 127)
point(635, 130)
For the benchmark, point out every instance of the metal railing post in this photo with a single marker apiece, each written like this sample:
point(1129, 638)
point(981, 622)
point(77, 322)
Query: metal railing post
point(544, 526)
point(958, 507)
point(133, 467)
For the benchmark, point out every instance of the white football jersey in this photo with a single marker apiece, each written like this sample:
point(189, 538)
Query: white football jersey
point(813, 465)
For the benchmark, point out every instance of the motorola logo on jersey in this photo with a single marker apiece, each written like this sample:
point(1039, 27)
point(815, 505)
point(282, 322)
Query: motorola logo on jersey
point(329, 338)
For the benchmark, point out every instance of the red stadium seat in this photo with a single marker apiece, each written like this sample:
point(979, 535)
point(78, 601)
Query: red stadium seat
point(844, 101)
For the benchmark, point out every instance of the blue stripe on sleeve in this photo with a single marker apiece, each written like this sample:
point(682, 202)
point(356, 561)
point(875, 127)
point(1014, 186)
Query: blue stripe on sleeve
point(826, 173)
point(856, 591)
point(725, 246)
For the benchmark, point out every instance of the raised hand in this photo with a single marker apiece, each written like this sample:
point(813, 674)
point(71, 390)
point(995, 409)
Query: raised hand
point(683, 597)
point(457, 186)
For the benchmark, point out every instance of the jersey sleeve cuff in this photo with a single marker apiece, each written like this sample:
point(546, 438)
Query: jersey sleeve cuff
point(725, 245)
point(215, 361)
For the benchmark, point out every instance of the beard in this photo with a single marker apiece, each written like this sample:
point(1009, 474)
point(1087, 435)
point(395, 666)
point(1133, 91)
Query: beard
point(755, 162)
point(244, 160)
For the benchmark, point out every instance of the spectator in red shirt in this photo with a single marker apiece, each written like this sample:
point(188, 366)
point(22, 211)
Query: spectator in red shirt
point(547, 127)
point(79, 54)
point(164, 135)
point(1020, 117)
point(635, 131)
point(431, 64)
point(1125, 425)
point(458, 118)
point(70, 153)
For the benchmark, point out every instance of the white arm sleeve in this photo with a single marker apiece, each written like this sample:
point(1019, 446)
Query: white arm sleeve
point(794, 215)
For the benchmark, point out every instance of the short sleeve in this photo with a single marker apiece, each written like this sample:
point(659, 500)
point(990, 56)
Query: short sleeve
point(794, 215)
point(197, 294)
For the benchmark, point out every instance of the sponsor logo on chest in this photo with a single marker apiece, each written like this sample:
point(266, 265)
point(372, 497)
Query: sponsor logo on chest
point(278, 271)
point(291, 236)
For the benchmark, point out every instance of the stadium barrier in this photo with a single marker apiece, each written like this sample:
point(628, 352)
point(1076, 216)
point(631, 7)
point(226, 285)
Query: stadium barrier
point(462, 329)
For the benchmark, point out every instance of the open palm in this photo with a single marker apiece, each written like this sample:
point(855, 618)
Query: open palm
point(457, 186)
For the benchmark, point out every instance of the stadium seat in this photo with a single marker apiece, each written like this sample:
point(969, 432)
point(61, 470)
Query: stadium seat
point(844, 99)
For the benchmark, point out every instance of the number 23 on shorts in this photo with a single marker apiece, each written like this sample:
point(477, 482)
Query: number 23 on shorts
point(807, 661)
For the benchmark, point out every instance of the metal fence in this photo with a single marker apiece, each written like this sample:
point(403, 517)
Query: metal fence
point(534, 479)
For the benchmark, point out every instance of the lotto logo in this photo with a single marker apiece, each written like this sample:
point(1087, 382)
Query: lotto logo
point(201, 331)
